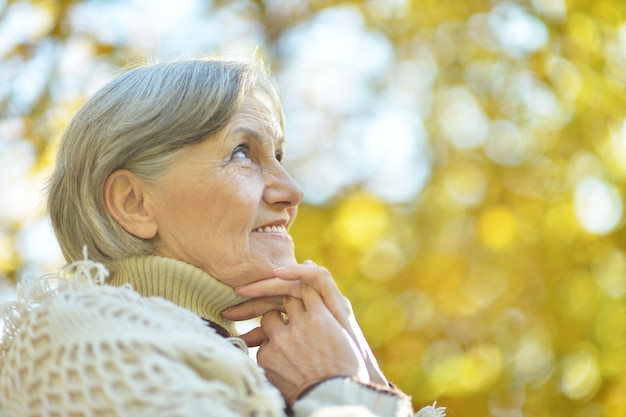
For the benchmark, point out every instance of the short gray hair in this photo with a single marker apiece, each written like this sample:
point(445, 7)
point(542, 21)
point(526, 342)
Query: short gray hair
point(141, 121)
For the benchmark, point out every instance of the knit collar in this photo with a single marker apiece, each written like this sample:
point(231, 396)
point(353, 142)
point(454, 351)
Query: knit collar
point(179, 282)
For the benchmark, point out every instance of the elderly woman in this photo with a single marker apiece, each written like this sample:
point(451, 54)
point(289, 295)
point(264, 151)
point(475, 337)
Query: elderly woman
point(170, 176)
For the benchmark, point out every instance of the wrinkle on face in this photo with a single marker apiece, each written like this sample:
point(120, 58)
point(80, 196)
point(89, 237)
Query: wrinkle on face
point(208, 203)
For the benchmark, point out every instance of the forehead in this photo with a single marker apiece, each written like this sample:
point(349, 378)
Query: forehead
point(260, 116)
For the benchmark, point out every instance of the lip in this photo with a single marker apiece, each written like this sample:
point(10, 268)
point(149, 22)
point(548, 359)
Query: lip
point(277, 223)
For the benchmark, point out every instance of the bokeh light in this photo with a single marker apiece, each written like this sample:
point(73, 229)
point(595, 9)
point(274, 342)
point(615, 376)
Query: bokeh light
point(463, 164)
point(598, 205)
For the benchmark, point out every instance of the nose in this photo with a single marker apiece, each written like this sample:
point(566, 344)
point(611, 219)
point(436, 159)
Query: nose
point(281, 189)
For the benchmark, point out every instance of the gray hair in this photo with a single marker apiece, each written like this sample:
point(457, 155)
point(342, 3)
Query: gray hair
point(141, 121)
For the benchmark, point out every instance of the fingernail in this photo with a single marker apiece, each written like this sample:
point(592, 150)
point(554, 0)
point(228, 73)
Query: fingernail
point(308, 262)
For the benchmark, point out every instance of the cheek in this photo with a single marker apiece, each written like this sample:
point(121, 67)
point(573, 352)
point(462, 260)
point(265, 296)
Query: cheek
point(242, 194)
point(234, 210)
point(223, 211)
point(186, 212)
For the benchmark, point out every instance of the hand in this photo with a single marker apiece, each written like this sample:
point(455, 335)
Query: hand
point(268, 295)
point(307, 348)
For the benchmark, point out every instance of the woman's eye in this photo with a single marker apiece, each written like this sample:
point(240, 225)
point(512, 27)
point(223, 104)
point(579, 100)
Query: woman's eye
point(240, 152)
point(279, 156)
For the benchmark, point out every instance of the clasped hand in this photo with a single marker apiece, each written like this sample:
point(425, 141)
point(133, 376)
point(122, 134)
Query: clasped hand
point(318, 338)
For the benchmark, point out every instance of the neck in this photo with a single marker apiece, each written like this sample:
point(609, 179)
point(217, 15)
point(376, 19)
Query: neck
point(179, 282)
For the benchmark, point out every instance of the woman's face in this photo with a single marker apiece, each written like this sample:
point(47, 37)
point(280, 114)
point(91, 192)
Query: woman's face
point(226, 204)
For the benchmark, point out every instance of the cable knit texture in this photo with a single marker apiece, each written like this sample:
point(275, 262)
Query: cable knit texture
point(74, 347)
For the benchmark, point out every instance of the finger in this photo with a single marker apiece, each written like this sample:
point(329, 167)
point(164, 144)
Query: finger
point(270, 287)
point(254, 337)
point(254, 308)
point(294, 307)
point(308, 274)
point(320, 279)
point(312, 300)
point(271, 322)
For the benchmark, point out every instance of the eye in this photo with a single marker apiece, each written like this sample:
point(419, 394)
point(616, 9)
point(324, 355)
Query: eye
point(240, 152)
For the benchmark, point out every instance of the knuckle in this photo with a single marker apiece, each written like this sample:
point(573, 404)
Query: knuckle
point(325, 271)
point(267, 317)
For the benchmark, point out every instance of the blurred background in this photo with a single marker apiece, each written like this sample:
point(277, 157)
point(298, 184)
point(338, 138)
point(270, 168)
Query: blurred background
point(463, 161)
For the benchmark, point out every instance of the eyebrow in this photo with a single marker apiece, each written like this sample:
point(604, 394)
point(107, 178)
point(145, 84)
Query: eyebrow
point(279, 141)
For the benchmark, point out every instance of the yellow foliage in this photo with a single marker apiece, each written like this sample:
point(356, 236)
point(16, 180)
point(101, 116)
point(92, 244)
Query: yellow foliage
point(497, 227)
point(485, 292)
point(359, 222)
point(580, 374)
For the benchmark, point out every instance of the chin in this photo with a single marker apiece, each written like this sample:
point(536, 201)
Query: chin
point(266, 269)
point(281, 261)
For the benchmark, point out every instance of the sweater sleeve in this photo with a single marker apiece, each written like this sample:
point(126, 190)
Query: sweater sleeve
point(342, 396)
point(108, 352)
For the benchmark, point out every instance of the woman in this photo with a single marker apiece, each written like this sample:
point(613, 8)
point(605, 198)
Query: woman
point(170, 176)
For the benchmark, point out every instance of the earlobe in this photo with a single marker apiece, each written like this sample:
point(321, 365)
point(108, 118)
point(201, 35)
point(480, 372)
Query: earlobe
point(128, 203)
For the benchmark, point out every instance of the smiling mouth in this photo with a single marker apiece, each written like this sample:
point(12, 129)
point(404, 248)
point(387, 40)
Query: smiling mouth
point(273, 229)
point(269, 229)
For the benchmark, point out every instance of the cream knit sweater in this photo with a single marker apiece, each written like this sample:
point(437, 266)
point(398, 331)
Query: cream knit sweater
point(74, 347)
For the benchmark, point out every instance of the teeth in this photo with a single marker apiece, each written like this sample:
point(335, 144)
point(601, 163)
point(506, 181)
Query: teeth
point(268, 229)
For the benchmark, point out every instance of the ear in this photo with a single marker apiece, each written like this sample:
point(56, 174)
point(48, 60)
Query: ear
point(127, 200)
